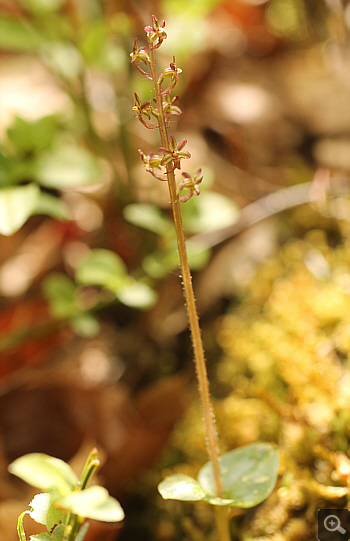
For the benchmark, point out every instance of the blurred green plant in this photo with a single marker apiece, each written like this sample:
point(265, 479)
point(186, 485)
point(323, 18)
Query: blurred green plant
point(36, 162)
point(51, 153)
point(208, 213)
point(67, 501)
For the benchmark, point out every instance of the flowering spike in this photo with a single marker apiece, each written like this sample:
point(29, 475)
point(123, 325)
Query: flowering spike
point(174, 154)
point(171, 160)
point(191, 184)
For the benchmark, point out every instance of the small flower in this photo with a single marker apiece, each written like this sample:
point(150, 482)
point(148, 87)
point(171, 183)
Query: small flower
point(191, 184)
point(151, 162)
point(170, 108)
point(144, 109)
point(139, 54)
point(156, 33)
point(174, 154)
point(171, 73)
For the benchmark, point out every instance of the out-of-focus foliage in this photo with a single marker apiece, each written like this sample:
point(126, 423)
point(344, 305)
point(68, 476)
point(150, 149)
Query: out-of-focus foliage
point(207, 213)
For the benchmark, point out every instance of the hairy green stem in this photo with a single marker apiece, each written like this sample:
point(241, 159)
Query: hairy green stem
point(202, 375)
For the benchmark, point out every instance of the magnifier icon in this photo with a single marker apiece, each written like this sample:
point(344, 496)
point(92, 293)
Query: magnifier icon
point(332, 524)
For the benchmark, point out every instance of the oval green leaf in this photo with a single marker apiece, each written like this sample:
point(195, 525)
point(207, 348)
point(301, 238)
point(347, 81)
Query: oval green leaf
point(49, 205)
point(149, 217)
point(44, 472)
point(102, 268)
point(137, 295)
point(67, 167)
point(17, 203)
point(249, 475)
point(182, 487)
point(60, 291)
point(209, 212)
point(95, 503)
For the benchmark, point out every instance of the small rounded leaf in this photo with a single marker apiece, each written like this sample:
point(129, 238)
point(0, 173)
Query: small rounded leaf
point(149, 217)
point(182, 487)
point(95, 503)
point(67, 167)
point(44, 472)
point(137, 295)
point(102, 268)
point(249, 475)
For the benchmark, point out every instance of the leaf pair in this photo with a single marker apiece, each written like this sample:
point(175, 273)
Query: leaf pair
point(66, 503)
point(249, 475)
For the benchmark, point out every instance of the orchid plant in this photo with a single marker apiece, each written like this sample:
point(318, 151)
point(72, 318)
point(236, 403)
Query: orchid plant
point(246, 476)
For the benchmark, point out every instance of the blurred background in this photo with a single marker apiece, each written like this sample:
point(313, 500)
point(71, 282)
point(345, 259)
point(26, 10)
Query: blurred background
point(93, 331)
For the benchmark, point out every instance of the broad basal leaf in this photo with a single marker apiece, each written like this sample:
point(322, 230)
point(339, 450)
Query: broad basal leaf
point(44, 472)
point(249, 475)
point(95, 503)
point(67, 167)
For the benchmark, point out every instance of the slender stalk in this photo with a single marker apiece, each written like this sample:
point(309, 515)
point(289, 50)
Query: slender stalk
point(202, 375)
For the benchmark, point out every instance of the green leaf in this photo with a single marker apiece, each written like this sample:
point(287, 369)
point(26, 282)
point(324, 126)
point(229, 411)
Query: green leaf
point(209, 212)
point(44, 472)
point(249, 475)
point(52, 206)
point(58, 533)
point(60, 291)
point(137, 295)
point(17, 203)
point(149, 217)
point(85, 325)
point(32, 135)
point(102, 268)
point(44, 536)
point(14, 170)
point(95, 503)
point(198, 255)
point(182, 487)
point(18, 35)
point(67, 167)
